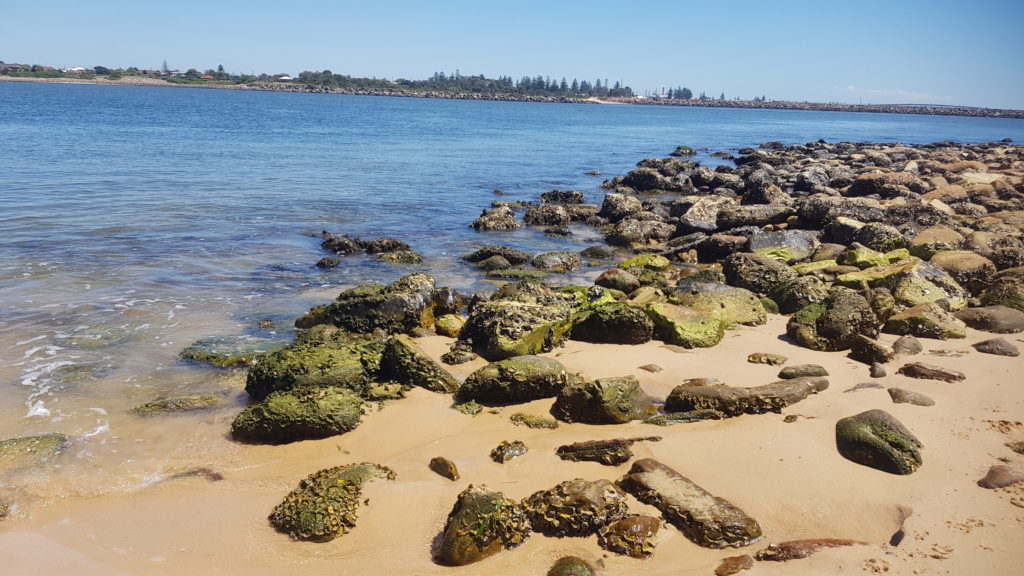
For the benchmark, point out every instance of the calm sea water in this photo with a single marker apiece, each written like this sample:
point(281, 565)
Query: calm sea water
point(135, 220)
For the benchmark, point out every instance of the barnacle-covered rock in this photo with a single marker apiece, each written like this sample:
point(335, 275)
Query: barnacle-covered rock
point(612, 323)
point(506, 451)
point(406, 304)
point(575, 507)
point(633, 536)
point(608, 452)
point(324, 505)
point(832, 324)
point(603, 401)
point(28, 451)
point(481, 523)
point(734, 401)
point(177, 405)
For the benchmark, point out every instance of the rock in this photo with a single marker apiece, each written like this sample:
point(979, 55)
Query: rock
point(758, 215)
point(997, 319)
point(501, 218)
point(575, 507)
point(927, 320)
point(603, 401)
point(734, 564)
point(634, 232)
point(766, 358)
point(700, 213)
point(328, 262)
point(513, 256)
point(792, 295)
point(705, 519)
point(444, 467)
point(502, 329)
point(563, 197)
point(618, 206)
point(557, 261)
point(736, 401)
point(904, 396)
point(515, 381)
point(633, 536)
point(884, 184)
point(648, 261)
point(228, 352)
point(862, 257)
point(881, 237)
point(1001, 476)
point(877, 370)
point(30, 451)
point(911, 283)
point(796, 549)
point(299, 414)
point(177, 405)
point(972, 271)
point(718, 246)
point(618, 279)
point(449, 325)
point(571, 566)
point(547, 215)
point(907, 346)
point(877, 440)
point(930, 372)
point(684, 417)
point(929, 241)
point(871, 351)
point(600, 252)
point(481, 523)
point(494, 263)
point(784, 245)
point(506, 451)
point(403, 361)
point(400, 307)
point(324, 505)
point(612, 323)
point(834, 323)
point(864, 386)
point(685, 327)
point(729, 304)
point(755, 272)
point(459, 352)
point(608, 452)
point(802, 371)
point(997, 346)
point(401, 257)
point(1005, 291)
point(517, 274)
point(521, 419)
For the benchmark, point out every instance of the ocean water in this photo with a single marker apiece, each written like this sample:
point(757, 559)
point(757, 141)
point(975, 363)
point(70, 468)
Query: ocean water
point(136, 220)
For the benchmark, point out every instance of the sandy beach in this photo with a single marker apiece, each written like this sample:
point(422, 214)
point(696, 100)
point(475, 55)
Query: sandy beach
point(788, 476)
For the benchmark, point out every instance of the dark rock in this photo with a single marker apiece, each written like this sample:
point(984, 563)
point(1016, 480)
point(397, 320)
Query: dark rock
point(755, 272)
point(513, 256)
point(607, 452)
point(324, 505)
point(884, 184)
point(997, 319)
point(557, 261)
point(1000, 476)
point(516, 380)
point(599, 252)
point(563, 197)
point(395, 309)
point(997, 346)
point(401, 257)
point(970, 270)
point(784, 245)
point(907, 346)
point(877, 440)
point(929, 241)
point(834, 323)
point(612, 323)
point(618, 279)
point(904, 396)
point(460, 352)
point(881, 237)
point(927, 320)
point(871, 351)
point(506, 451)
point(444, 467)
point(328, 262)
point(575, 507)
point(481, 523)
point(704, 519)
point(1005, 291)
point(796, 549)
point(792, 295)
point(501, 218)
point(758, 215)
point(736, 401)
point(603, 401)
point(299, 414)
point(633, 536)
point(930, 372)
point(802, 371)
point(405, 362)
point(631, 232)
point(547, 215)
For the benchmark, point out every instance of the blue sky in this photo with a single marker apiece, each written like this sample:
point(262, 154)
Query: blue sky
point(911, 51)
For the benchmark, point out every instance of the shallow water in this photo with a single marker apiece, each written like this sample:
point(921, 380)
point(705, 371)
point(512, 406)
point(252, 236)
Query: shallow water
point(136, 220)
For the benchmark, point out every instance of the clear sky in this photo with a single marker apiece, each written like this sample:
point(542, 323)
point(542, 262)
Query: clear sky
point(871, 51)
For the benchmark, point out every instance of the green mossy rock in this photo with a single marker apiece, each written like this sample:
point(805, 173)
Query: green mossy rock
point(783, 245)
point(557, 261)
point(299, 414)
point(755, 272)
point(449, 325)
point(512, 255)
point(926, 321)
point(792, 295)
point(804, 268)
point(614, 400)
point(398, 308)
point(832, 324)
point(1007, 291)
point(403, 361)
point(877, 440)
point(515, 381)
point(177, 405)
point(29, 451)
point(648, 260)
point(685, 327)
point(325, 504)
point(571, 566)
point(228, 352)
point(911, 283)
point(401, 257)
point(502, 329)
point(481, 523)
point(862, 257)
point(729, 304)
point(612, 323)
point(530, 421)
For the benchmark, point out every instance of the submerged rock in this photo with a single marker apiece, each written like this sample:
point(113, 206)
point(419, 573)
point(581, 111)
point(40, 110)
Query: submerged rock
point(603, 401)
point(575, 507)
point(228, 352)
point(177, 405)
point(29, 451)
point(736, 401)
point(705, 519)
point(877, 440)
point(516, 380)
point(481, 523)
point(299, 414)
point(324, 505)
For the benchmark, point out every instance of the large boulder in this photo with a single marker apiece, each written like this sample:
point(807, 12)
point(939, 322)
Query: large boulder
point(547, 215)
point(513, 256)
point(612, 323)
point(736, 401)
point(878, 440)
point(403, 361)
point(501, 218)
point(1005, 291)
point(618, 206)
point(926, 321)
point(758, 215)
point(792, 295)
point(832, 324)
point(929, 241)
point(755, 272)
point(575, 507)
point(400, 307)
point(784, 245)
point(614, 400)
point(515, 380)
point(911, 283)
point(685, 327)
point(618, 279)
point(299, 414)
point(729, 304)
point(998, 319)
point(325, 504)
point(972, 271)
point(501, 329)
point(557, 261)
point(884, 184)
point(705, 519)
point(481, 524)
point(632, 232)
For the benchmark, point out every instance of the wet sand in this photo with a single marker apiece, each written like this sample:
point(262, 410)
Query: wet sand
point(788, 476)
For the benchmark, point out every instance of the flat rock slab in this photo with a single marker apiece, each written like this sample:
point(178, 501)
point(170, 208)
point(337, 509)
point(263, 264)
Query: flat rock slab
point(705, 519)
point(998, 319)
point(796, 549)
point(931, 372)
point(736, 401)
point(904, 396)
point(608, 452)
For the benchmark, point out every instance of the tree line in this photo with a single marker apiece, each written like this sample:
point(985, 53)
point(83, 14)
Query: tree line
point(479, 84)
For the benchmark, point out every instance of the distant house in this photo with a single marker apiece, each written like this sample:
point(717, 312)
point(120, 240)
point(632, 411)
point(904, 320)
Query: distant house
point(206, 77)
point(12, 67)
point(285, 78)
point(75, 70)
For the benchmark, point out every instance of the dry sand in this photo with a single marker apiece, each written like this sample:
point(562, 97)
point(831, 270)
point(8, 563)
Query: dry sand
point(788, 476)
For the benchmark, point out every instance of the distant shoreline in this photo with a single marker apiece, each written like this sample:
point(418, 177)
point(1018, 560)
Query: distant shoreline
point(931, 110)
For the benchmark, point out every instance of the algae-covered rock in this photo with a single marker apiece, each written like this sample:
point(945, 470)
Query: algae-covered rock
point(705, 519)
point(299, 414)
point(481, 523)
point(927, 320)
point(671, 418)
point(516, 380)
point(929, 241)
point(685, 327)
point(1005, 291)
point(783, 245)
point(228, 352)
point(397, 308)
point(755, 272)
point(575, 507)
point(571, 566)
point(401, 257)
point(603, 401)
point(405, 362)
point(506, 451)
point(177, 405)
point(970, 270)
point(648, 260)
point(802, 371)
point(734, 401)
point(557, 261)
point(633, 536)
point(501, 218)
point(502, 329)
point(878, 440)
point(833, 323)
point(792, 295)
point(612, 323)
point(512, 255)
point(324, 505)
point(28, 451)
point(608, 452)
point(729, 304)
point(530, 421)
point(911, 283)
point(449, 325)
